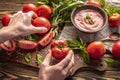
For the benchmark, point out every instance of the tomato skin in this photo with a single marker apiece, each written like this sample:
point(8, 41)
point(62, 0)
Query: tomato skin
point(41, 22)
point(29, 7)
point(7, 48)
point(59, 49)
point(6, 19)
point(94, 3)
point(44, 11)
point(114, 20)
point(116, 49)
point(46, 39)
point(27, 45)
point(96, 49)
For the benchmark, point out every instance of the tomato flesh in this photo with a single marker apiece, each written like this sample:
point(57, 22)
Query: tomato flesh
point(94, 3)
point(27, 45)
point(46, 39)
point(9, 45)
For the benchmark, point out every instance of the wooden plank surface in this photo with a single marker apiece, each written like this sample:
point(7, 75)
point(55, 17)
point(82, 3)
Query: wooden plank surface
point(9, 71)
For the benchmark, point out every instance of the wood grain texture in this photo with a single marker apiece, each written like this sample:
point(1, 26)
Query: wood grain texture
point(13, 71)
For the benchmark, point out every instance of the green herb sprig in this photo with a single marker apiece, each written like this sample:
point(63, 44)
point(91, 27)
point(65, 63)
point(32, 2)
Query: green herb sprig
point(39, 59)
point(111, 61)
point(88, 17)
point(78, 44)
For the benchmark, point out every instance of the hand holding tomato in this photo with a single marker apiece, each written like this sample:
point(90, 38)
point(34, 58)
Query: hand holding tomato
point(114, 20)
point(59, 49)
point(21, 24)
point(58, 71)
point(96, 49)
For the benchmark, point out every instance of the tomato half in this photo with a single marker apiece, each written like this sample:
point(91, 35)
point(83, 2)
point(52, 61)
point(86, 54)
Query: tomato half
point(29, 7)
point(44, 11)
point(46, 39)
point(96, 49)
point(41, 22)
point(116, 49)
point(59, 49)
point(9, 46)
point(27, 45)
point(6, 19)
point(94, 3)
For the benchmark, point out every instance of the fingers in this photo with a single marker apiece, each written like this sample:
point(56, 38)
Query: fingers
point(66, 60)
point(31, 14)
point(39, 29)
point(47, 59)
point(70, 65)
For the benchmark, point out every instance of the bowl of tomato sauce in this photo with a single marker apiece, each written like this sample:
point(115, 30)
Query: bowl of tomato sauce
point(89, 18)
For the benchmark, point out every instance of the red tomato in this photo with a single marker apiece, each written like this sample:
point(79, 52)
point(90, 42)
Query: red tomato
point(44, 11)
point(27, 45)
point(116, 49)
point(6, 19)
point(96, 49)
point(59, 49)
point(46, 39)
point(29, 7)
point(94, 3)
point(114, 20)
point(41, 22)
point(9, 45)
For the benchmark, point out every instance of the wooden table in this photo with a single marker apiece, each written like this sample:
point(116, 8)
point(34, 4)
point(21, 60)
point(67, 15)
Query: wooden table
point(13, 71)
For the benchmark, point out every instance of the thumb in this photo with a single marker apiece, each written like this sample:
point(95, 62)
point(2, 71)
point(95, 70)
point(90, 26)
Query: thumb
point(47, 59)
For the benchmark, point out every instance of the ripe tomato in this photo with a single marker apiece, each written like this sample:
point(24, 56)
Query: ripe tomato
point(59, 49)
point(116, 49)
point(6, 19)
point(29, 7)
point(41, 22)
point(44, 11)
point(27, 45)
point(94, 3)
point(114, 20)
point(46, 39)
point(96, 49)
point(9, 45)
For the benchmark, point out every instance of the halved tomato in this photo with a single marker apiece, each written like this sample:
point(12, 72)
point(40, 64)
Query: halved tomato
point(9, 45)
point(46, 39)
point(27, 45)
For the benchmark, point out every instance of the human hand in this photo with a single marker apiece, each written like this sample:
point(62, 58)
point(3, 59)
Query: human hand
point(59, 71)
point(21, 24)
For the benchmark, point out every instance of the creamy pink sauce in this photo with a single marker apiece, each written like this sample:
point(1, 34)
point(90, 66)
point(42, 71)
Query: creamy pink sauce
point(83, 23)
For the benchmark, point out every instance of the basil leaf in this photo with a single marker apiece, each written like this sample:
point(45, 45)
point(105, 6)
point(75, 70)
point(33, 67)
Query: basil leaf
point(103, 2)
point(111, 62)
point(27, 58)
point(80, 45)
point(116, 10)
point(32, 37)
point(39, 59)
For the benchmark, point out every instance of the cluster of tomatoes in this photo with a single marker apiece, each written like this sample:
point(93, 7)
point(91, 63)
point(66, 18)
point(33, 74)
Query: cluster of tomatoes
point(97, 49)
point(44, 13)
